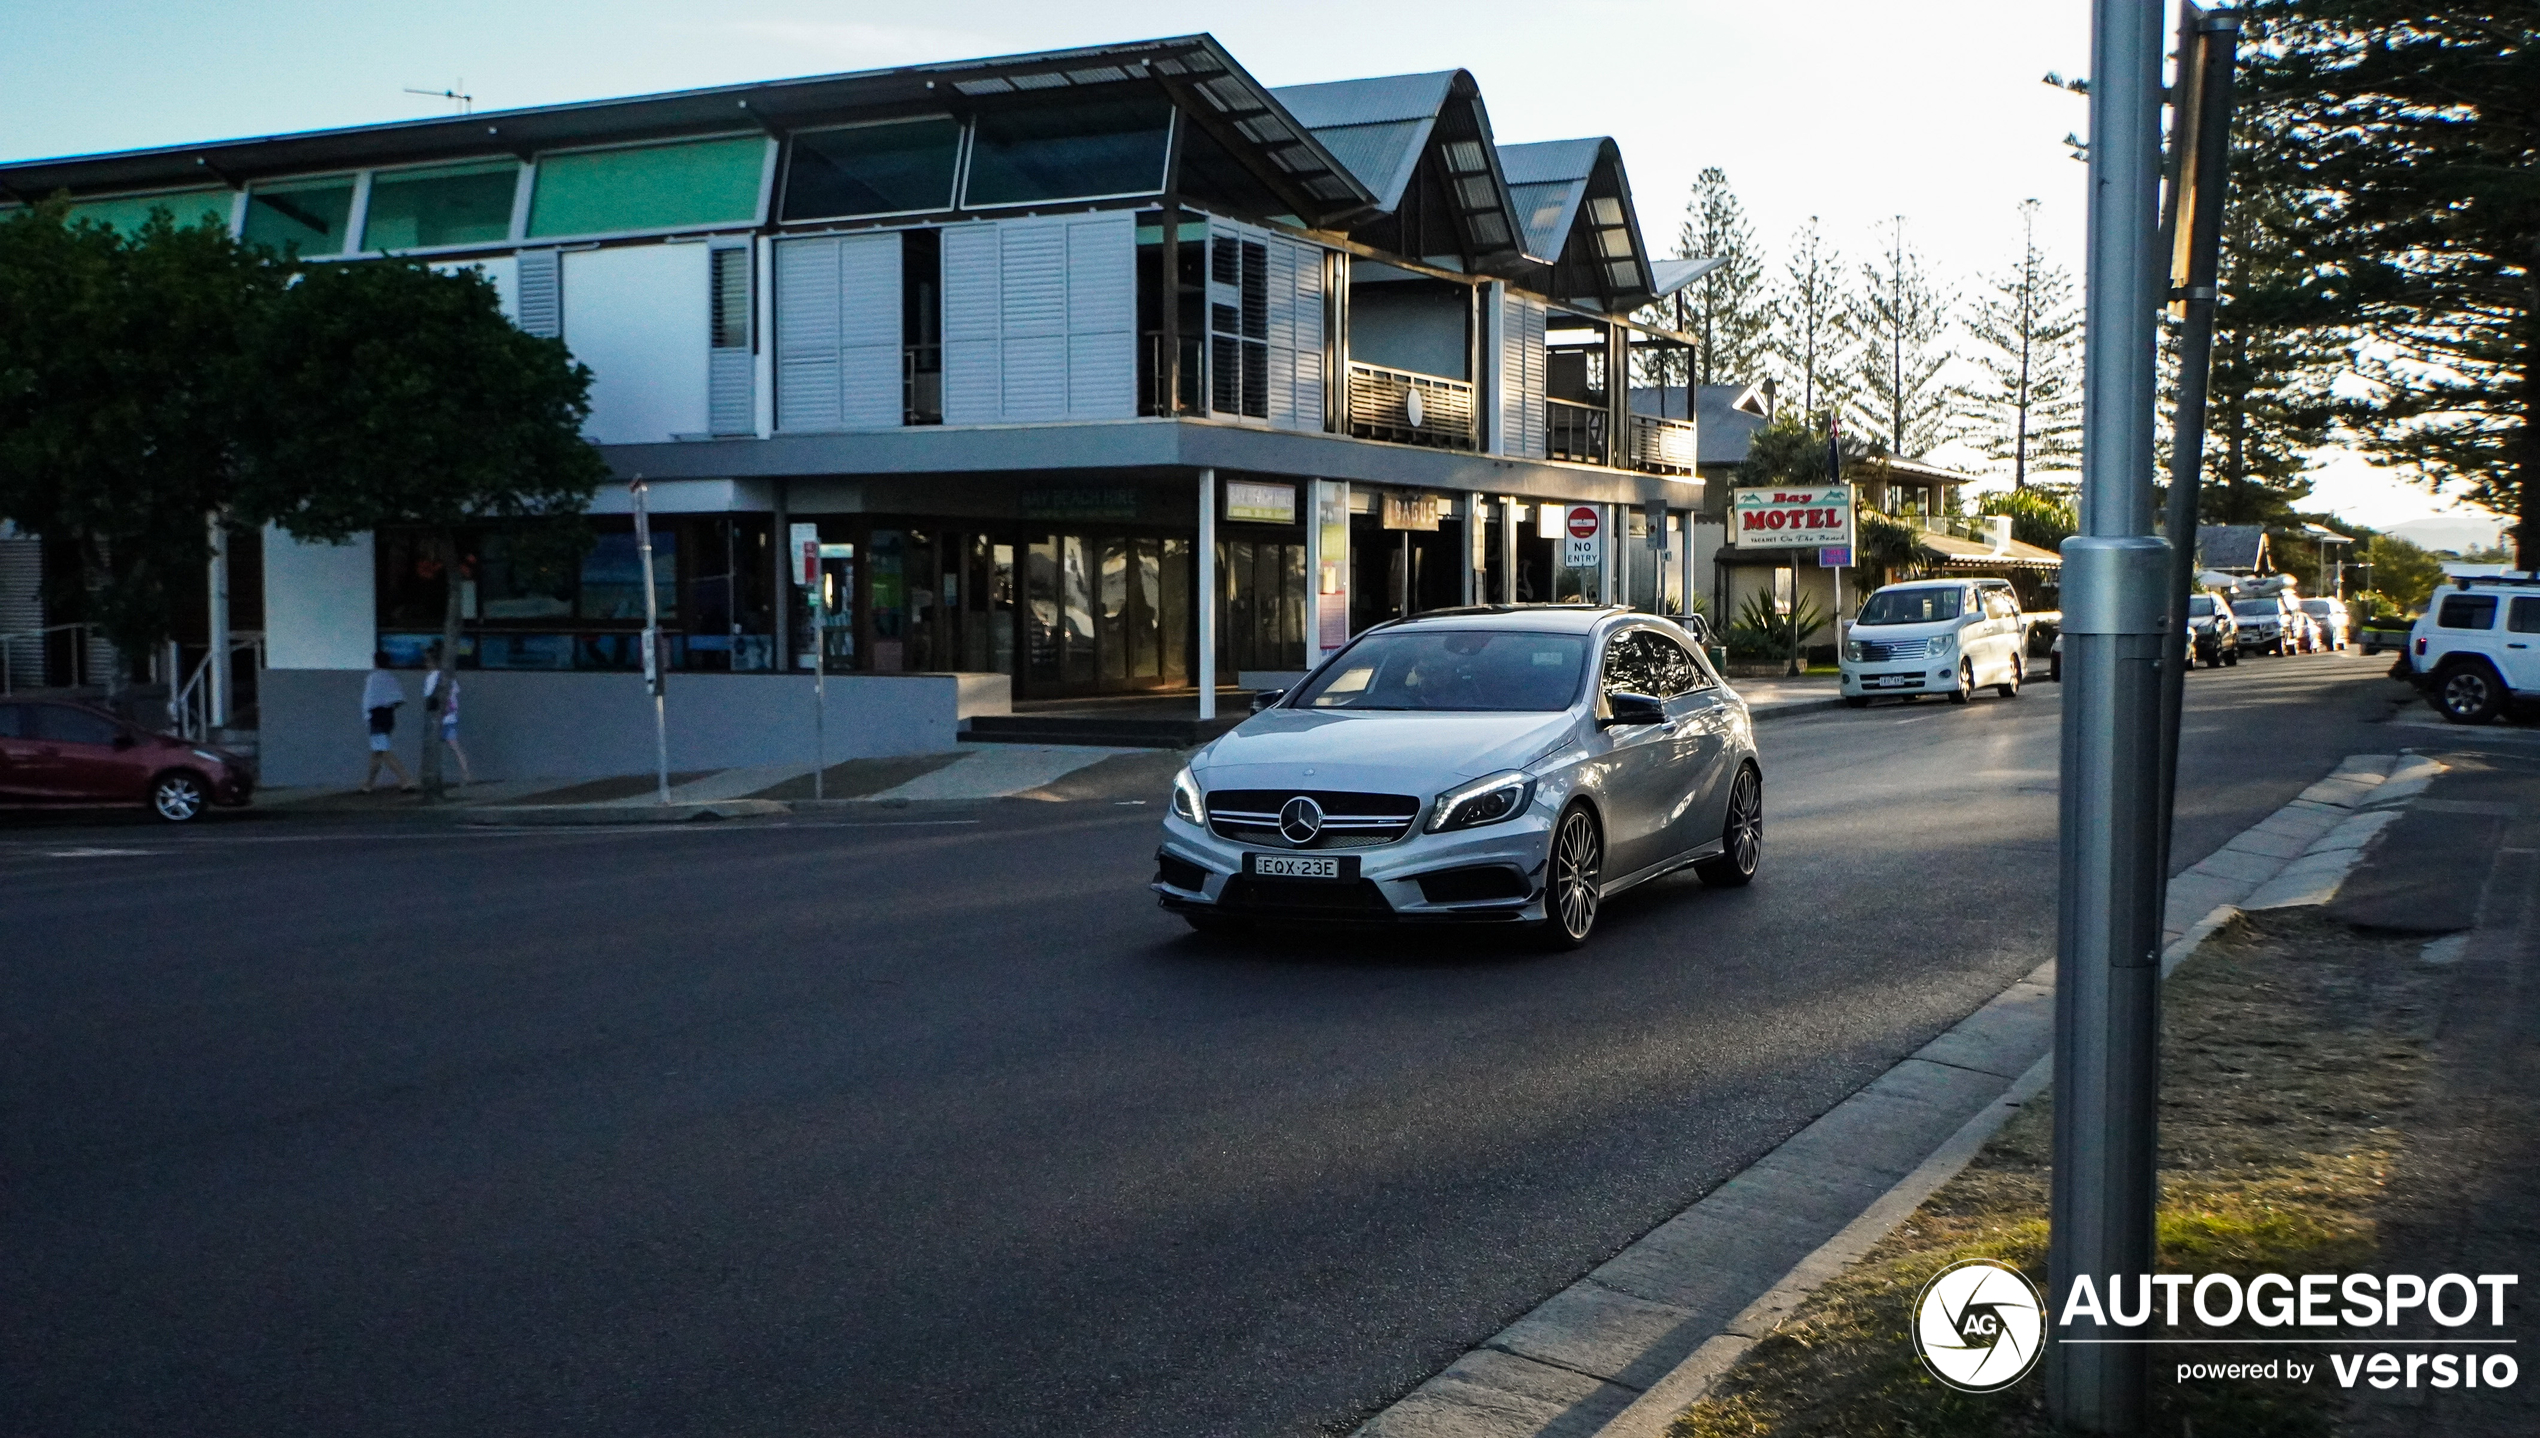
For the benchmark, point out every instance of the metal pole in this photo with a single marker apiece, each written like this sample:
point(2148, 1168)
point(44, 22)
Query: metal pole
point(218, 678)
point(1207, 675)
point(819, 674)
point(652, 645)
point(2198, 191)
point(2108, 920)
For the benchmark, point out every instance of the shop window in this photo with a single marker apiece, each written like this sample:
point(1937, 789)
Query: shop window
point(307, 217)
point(613, 577)
point(516, 583)
point(1080, 151)
point(648, 187)
point(126, 214)
point(454, 205)
point(894, 168)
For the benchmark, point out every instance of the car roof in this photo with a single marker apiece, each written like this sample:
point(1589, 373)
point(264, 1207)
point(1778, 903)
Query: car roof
point(1534, 618)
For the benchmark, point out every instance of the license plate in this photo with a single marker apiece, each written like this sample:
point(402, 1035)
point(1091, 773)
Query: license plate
point(1888, 681)
point(1300, 866)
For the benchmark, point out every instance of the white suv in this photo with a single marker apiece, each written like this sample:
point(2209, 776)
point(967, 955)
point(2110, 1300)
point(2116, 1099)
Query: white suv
point(1936, 636)
point(2476, 650)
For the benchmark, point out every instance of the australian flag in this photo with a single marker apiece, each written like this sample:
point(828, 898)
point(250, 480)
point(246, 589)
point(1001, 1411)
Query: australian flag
point(1834, 451)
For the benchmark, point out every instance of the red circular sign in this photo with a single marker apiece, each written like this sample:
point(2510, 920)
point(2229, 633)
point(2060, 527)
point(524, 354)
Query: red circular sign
point(1582, 522)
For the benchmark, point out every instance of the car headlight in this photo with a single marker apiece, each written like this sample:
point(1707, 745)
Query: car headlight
point(1186, 799)
point(1852, 650)
point(1484, 801)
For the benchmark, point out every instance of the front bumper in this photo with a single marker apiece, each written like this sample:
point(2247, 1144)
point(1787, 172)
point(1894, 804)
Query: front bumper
point(1926, 676)
point(1198, 872)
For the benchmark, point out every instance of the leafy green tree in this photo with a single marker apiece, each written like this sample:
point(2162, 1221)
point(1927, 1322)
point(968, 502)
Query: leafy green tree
point(1726, 310)
point(1901, 315)
point(2411, 135)
point(122, 372)
point(2396, 568)
point(1812, 321)
point(397, 395)
point(2025, 408)
point(2036, 518)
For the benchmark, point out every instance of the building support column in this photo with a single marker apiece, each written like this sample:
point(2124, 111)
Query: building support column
point(1208, 594)
point(216, 681)
point(780, 613)
point(1507, 549)
point(1475, 527)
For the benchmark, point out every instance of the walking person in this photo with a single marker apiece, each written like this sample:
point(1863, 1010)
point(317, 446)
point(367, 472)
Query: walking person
point(381, 696)
point(446, 705)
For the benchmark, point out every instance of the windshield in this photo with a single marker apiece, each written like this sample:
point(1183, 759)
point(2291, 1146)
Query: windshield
point(1453, 669)
point(1910, 606)
point(2200, 605)
point(2256, 608)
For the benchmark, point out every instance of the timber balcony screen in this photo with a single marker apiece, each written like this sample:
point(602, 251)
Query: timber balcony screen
point(1662, 446)
point(1409, 408)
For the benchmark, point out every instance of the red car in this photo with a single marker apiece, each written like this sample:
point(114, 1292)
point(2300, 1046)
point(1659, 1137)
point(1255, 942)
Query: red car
point(53, 751)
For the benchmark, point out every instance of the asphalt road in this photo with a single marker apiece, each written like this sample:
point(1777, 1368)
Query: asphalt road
point(928, 1122)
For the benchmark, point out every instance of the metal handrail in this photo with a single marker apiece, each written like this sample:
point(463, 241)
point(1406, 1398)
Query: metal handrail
point(190, 708)
point(1574, 431)
point(8, 643)
point(1662, 446)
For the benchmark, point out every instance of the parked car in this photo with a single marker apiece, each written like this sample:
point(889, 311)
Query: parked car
point(2329, 618)
point(1512, 765)
point(56, 752)
point(2213, 636)
point(1943, 636)
point(2269, 623)
point(2475, 652)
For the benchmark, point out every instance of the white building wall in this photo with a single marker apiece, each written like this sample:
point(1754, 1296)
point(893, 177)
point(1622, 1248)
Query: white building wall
point(638, 316)
point(321, 603)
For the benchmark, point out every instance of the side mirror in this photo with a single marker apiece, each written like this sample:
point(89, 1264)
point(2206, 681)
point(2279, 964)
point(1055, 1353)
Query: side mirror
point(1635, 709)
point(1264, 698)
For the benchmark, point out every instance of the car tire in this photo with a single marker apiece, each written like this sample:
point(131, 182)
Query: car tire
point(1741, 835)
point(1856, 701)
point(2468, 692)
point(2231, 657)
point(2055, 668)
point(1966, 689)
point(1573, 878)
point(179, 796)
point(2012, 689)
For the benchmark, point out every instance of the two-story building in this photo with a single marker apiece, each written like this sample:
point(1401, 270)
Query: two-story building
point(1116, 371)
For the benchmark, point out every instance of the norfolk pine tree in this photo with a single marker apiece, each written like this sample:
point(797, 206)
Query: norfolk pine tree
point(2025, 409)
point(1902, 319)
point(1812, 321)
point(1726, 310)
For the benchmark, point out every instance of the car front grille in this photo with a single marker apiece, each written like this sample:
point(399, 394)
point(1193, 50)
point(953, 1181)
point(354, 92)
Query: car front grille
point(1889, 651)
point(1350, 820)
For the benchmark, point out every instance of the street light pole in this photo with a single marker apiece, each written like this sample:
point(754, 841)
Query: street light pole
point(652, 643)
point(2108, 920)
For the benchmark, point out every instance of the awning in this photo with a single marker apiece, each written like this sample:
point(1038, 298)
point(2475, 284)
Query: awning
point(1956, 553)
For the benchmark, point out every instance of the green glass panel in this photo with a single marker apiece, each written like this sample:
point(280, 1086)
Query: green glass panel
point(128, 213)
point(649, 187)
point(459, 205)
point(308, 216)
point(873, 169)
point(1065, 152)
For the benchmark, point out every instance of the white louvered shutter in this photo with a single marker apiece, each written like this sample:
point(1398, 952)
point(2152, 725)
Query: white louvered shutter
point(1302, 323)
point(731, 360)
point(1521, 377)
point(807, 358)
point(1102, 316)
point(1034, 332)
point(541, 303)
point(869, 334)
point(973, 317)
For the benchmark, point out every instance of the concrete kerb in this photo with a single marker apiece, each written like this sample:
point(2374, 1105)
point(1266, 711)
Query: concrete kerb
point(545, 815)
point(1621, 1352)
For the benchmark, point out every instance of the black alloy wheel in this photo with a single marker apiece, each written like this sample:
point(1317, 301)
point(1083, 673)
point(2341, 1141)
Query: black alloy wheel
point(1571, 889)
point(1966, 689)
point(1741, 837)
point(2468, 693)
point(177, 797)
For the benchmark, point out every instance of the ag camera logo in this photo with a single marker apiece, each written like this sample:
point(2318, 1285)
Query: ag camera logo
point(1979, 1326)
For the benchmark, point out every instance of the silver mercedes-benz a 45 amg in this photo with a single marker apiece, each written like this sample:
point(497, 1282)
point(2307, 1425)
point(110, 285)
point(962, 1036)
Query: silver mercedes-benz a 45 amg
point(1511, 765)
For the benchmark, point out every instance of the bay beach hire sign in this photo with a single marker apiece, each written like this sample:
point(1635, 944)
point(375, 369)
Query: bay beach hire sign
point(1784, 517)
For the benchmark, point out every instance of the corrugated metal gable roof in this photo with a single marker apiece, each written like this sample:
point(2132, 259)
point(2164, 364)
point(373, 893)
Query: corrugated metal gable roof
point(1374, 101)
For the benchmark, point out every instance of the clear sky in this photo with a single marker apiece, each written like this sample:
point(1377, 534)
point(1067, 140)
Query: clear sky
point(1851, 110)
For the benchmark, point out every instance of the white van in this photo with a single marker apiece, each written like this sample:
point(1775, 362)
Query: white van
point(1936, 636)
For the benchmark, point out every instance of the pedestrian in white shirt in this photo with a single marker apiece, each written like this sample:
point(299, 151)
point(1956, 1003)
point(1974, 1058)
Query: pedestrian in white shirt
point(381, 696)
point(445, 703)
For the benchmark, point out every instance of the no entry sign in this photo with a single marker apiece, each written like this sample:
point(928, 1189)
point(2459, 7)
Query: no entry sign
point(1583, 538)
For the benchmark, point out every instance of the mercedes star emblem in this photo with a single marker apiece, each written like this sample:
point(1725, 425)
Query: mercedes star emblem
point(1300, 820)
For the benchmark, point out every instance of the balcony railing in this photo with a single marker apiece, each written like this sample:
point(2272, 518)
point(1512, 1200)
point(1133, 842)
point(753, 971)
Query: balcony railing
point(922, 384)
point(1575, 431)
point(1410, 408)
point(1151, 371)
point(1662, 446)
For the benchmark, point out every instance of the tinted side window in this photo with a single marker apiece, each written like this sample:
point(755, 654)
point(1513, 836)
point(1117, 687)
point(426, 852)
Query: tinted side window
point(12, 721)
point(1630, 668)
point(1674, 668)
point(2467, 611)
point(2523, 617)
point(65, 725)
